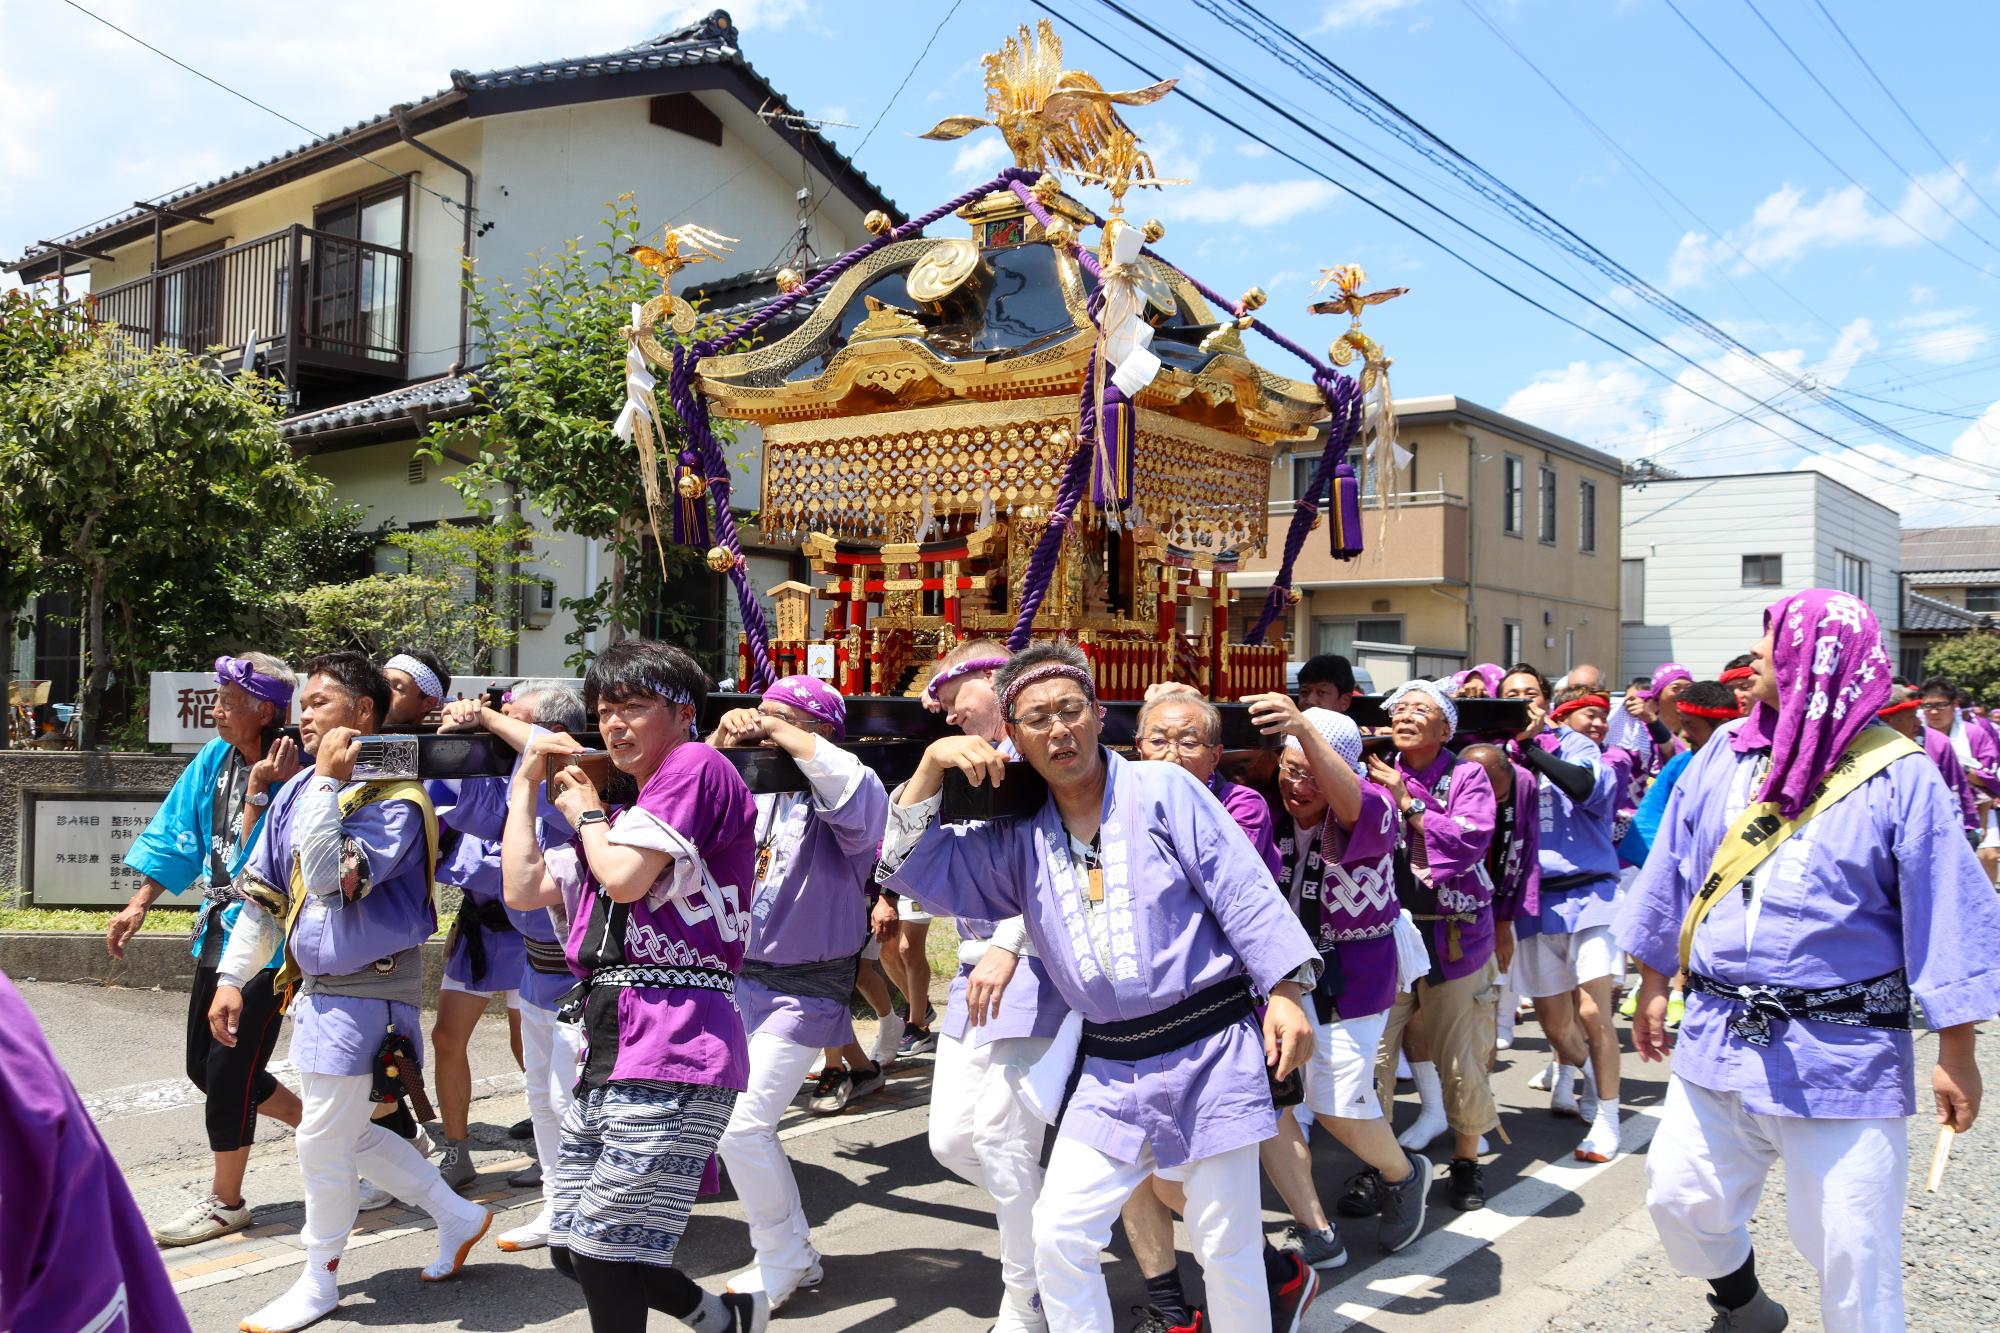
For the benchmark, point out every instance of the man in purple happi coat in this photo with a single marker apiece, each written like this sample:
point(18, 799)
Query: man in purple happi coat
point(1446, 809)
point(1973, 741)
point(1177, 726)
point(342, 878)
point(808, 923)
point(1901, 714)
point(1513, 863)
point(1800, 977)
point(77, 1252)
point(1156, 919)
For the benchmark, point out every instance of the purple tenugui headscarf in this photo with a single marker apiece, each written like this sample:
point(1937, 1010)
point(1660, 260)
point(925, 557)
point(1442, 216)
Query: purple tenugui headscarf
point(1487, 672)
point(813, 697)
point(1826, 651)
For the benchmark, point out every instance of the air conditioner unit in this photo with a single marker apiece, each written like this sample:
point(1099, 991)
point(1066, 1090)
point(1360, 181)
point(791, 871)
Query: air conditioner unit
point(538, 603)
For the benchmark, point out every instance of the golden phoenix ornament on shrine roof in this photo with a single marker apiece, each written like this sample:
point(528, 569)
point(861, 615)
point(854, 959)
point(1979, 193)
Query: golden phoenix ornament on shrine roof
point(679, 247)
point(1051, 117)
point(1349, 279)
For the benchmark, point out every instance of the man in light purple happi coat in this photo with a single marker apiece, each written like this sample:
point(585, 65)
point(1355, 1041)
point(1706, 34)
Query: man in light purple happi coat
point(1156, 919)
point(342, 877)
point(808, 922)
point(1800, 978)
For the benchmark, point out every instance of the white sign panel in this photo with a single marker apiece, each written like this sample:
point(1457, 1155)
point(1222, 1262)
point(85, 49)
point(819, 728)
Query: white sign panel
point(819, 660)
point(182, 708)
point(80, 845)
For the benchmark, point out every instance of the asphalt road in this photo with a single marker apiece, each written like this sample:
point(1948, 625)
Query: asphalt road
point(1563, 1244)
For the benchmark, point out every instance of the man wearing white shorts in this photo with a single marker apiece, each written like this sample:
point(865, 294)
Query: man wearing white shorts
point(903, 930)
point(1566, 960)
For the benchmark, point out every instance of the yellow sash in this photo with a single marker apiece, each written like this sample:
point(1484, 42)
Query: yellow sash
point(286, 984)
point(1759, 830)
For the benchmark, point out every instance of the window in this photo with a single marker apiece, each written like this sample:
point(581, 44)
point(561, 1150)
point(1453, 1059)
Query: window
point(1913, 660)
point(1853, 575)
point(1632, 592)
point(1546, 502)
point(1586, 519)
point(1763, 571)
point(1510, 641)
point(1983, 600)
point(1339, 636)
point(1514, 480)
point(1303, 465)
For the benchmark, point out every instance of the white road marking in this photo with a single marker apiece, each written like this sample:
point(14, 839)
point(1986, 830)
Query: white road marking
point(171, 1094)
point(1399, 1275)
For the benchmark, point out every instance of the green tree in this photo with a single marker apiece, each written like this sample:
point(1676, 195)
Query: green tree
point(553, 384)
point(1971, 662)
point(449, 599)
point(126, 463)
point(34, 335)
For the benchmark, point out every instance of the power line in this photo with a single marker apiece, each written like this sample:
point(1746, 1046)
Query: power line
point(1530, 215)
point(410, 178)
point(1908, 175)
point(1894, 101)
point(1418, 231)
point(1824, 156)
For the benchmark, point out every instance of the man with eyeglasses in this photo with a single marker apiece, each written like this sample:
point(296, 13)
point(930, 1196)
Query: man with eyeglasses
point(1977, 754)
point(1178, 726)
point(1447, 809)
point(1157, 920)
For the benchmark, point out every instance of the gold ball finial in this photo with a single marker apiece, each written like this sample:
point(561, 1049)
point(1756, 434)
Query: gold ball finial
point(1293, 597)
point(691, 486)
point(878, 223)
point(1253, 299)
point(1153, 231)
point(789, 280)
point(1061, 231)
point(720, 560)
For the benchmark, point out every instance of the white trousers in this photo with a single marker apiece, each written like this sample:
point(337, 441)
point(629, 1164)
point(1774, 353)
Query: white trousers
point(1844, 1187)
point(1080, 1200)
point(338, 1144)
point(982, 1131)
point(548, 1068)
point(756, 1160)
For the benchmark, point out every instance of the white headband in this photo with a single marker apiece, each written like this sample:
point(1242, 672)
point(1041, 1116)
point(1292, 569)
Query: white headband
point(426, 679)
point(1337, 730)
point(1430, 690)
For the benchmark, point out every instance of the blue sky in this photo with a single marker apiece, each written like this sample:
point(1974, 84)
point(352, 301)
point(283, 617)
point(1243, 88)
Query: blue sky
point(1880, 292)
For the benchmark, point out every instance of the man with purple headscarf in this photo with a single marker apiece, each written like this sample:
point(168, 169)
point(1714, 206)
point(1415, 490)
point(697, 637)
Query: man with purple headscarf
point(200, 837)
point(1811, 881)
point(808, 923)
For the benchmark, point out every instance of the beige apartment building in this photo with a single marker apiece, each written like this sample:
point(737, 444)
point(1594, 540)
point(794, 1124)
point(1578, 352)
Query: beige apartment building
point(1502, 547)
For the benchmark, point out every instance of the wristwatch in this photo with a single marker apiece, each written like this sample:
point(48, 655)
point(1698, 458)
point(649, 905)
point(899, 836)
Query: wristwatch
point(260, 799)
point(591, 817)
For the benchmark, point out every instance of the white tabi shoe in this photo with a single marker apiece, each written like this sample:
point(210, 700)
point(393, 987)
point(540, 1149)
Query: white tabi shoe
point(459, 1229)
point(533, 1236)
point(1601, 1143)
point(1545, 1077)
point(1562, 1096)
point(888, 1037)
point(314, 1296)
point(1430, 1120)
point(778, 1284)
point(1021, 1312)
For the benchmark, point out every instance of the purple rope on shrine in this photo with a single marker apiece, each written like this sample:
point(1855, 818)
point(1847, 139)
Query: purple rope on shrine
point(1041, 566)
point(1343, 398)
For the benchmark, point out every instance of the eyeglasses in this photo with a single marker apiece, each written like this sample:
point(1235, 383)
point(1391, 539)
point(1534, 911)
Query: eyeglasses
point(1187, 743)
point(1296, 777)
point(1937, 703)
point(1416, 712)
point(1071, 716)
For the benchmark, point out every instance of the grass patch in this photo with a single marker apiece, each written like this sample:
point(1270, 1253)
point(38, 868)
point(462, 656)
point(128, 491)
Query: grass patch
point(160, 922)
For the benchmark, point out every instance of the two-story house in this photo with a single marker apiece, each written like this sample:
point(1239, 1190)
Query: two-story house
point(1703, 556)
point(1498, 547)
point(1951, 586)
point(337, 266)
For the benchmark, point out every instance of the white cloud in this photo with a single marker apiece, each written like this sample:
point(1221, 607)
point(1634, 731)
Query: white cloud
point(979, 156)
point(1786, 226)
point(1359, 13)
point(1943, 337)
point(1252, 148)
point(1253, 204)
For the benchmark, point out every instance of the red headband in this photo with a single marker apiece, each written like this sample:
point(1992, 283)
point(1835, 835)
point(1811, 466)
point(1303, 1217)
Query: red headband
point(1712, 714)
point(1735, 674)
point(1906, 706)
point(1563, 710)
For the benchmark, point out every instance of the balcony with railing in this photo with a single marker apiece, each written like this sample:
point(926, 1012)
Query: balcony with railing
point(320, 308)
point(1419, 539)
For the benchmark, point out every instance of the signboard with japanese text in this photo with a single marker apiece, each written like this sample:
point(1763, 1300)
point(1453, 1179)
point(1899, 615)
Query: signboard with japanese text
point(80, 844)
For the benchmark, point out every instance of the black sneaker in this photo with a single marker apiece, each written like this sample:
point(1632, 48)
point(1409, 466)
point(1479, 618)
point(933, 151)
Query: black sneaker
point(1403, 1204)
point(1362, 1196)
point(833, 1091)
point(1290, 1298)
point(521, 1129)
point(1152, 1319)
point(749, 1312)
point(1468, 1185)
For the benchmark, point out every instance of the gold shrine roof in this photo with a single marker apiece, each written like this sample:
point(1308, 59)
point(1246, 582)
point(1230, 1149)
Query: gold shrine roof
point(1000, 315)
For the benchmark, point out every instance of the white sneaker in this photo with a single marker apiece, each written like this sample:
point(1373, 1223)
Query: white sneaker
point(314, 1296)
point(204, 1221)
point(888, 1036)
point(778, 1284)
point(373, 1196)
point(1545, 1078)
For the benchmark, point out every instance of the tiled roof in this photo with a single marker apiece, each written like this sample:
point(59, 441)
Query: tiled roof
point(708, 41)
point(445, 396)
point(1970, 547)
point(1952, 578)
point(1929, 614)
point(741, 295)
